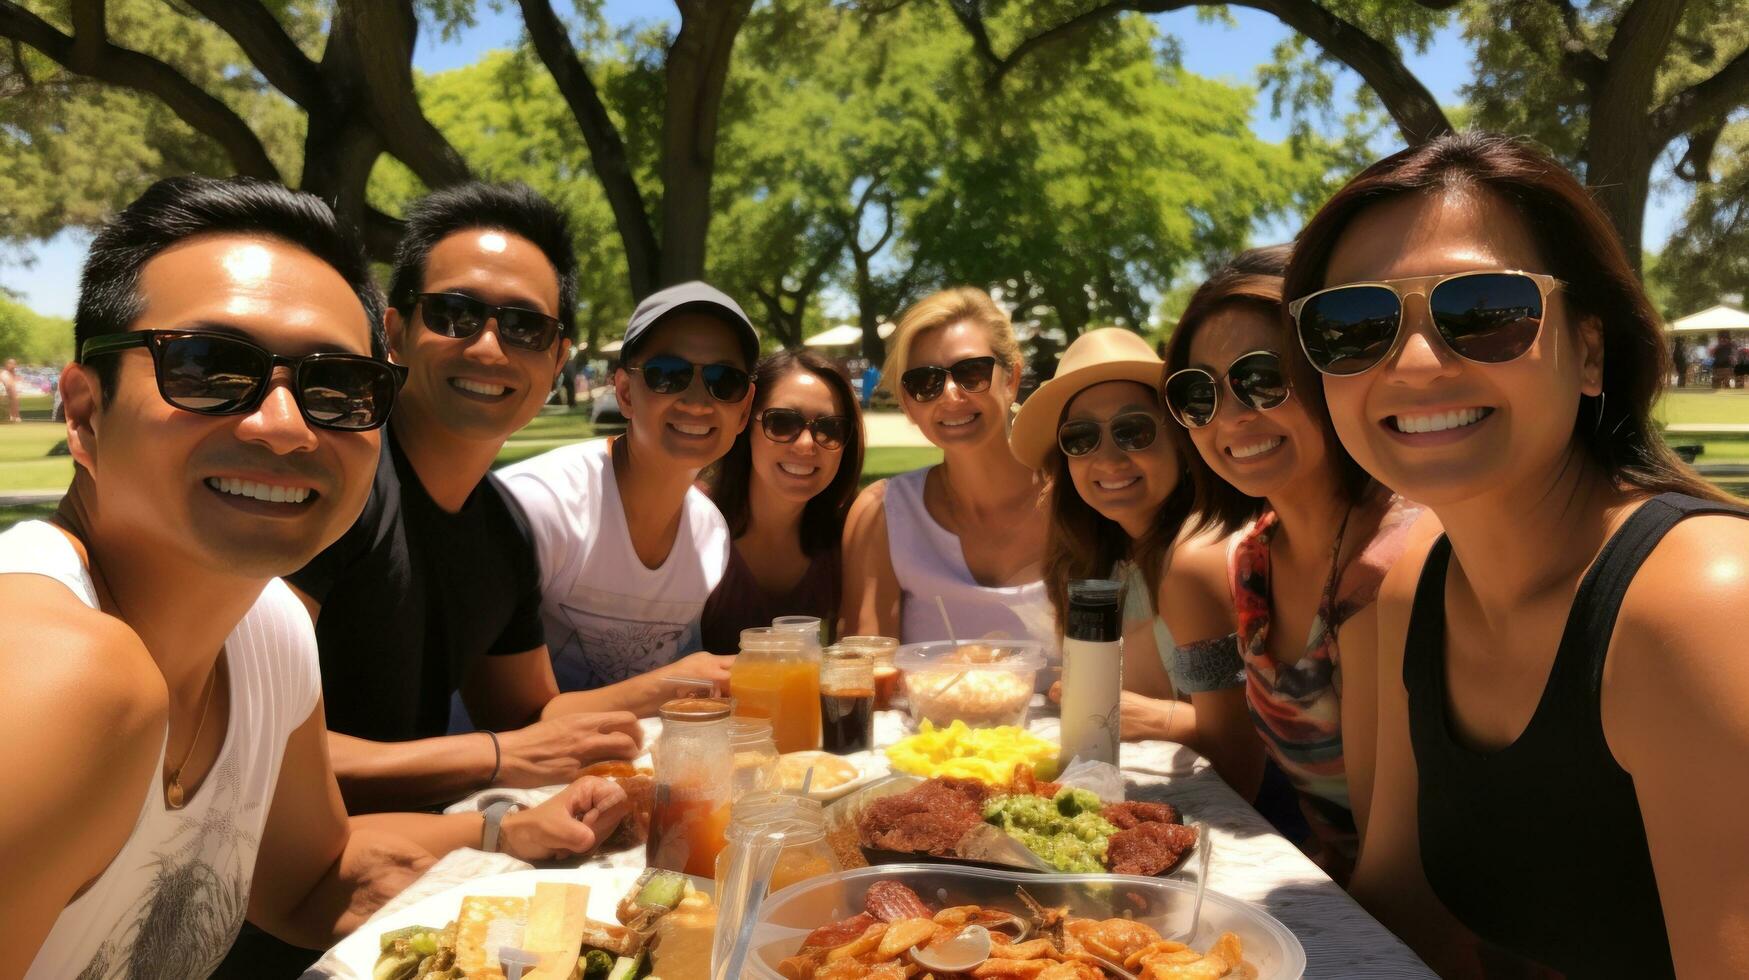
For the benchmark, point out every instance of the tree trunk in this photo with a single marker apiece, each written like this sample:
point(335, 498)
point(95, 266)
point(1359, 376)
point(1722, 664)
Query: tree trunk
point(696, 72)
point(874, 349)
point(1618, 168)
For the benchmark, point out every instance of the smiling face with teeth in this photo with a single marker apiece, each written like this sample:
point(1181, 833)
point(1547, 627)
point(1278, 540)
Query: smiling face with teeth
point(252, 495)
point(796, 471)
point(1125, 487)
point(690, 429)
point(1259, 453)
point(1434, 426)
point(960, 419)
point(478, 388)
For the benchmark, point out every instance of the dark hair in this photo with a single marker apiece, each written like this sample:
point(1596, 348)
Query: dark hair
point(1579, 246)
point(732, 483)
point(1251, 280)
point(1080, 542)
point(179, 208)
point(512, 208)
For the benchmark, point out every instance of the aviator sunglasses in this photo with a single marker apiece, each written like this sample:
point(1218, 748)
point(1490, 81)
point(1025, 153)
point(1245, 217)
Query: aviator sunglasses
point(925, 384)
point(461, 316)
point(667, 374)
point(786, 424)
point(218, 374)
point(1489, 317)
point(1255, 378)
point(1131, 432)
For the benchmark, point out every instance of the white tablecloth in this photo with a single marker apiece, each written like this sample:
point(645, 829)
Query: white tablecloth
point(1251, 861)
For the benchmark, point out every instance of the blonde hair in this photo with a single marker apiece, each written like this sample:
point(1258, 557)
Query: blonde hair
point(946, 308)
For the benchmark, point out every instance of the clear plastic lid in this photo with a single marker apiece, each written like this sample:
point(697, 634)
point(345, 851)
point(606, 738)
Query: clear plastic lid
point(1019, 656)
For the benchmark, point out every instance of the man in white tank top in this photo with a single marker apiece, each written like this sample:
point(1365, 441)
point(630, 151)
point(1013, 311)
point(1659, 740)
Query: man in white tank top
point(167, 768)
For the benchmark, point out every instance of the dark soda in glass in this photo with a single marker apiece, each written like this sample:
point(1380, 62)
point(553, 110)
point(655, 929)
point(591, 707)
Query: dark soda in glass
point(847, 720)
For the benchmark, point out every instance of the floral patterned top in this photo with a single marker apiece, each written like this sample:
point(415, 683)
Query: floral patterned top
point(1297, 707)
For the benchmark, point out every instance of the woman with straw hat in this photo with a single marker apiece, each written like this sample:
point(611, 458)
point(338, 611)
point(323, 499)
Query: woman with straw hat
point(1117, 498)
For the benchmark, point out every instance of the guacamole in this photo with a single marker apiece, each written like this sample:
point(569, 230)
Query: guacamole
point(1065, 830)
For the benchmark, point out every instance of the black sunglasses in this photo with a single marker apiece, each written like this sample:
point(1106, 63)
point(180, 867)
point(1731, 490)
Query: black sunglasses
point(1131, 432)
point(786, 425)
point(218, 374)
point(461, 316)
point(667, 374)
point(925, 384)
point(1256, 378)
point(1490, 317)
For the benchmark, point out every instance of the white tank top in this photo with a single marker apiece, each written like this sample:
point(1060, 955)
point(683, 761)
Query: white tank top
point(171, 901)
point(928, 562)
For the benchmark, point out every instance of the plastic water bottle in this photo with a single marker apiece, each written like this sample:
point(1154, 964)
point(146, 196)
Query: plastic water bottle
point(1092, 671)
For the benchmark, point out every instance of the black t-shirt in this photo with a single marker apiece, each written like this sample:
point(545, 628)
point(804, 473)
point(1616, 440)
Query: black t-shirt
point(410, 594)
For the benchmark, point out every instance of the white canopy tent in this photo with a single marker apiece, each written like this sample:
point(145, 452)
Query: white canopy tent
point(1712, 320)
point(845, 335)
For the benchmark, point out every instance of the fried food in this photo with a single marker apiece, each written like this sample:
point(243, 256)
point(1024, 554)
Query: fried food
point(1148, 849)
point(1136, 812)
point(1056, 947)
point(926, 820)
point(890, 901)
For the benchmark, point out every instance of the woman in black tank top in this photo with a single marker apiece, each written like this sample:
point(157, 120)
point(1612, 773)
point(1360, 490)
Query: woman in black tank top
point(1561, 701)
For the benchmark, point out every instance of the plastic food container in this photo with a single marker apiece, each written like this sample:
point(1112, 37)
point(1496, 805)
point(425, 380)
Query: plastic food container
point(786, 917)
point(982, 683)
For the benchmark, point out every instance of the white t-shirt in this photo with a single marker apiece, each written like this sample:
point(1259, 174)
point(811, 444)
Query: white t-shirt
point(928, 561)
point(607, 616)
point(172, 900)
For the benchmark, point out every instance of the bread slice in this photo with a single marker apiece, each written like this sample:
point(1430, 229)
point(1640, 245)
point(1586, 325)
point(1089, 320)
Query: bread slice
point(555, 929)
point(483, 925)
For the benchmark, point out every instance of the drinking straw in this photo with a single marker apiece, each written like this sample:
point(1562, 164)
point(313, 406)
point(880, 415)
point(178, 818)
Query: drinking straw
point(945, 621)
point(807, 780)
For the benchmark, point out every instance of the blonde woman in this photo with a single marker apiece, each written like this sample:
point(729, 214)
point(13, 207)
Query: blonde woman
point(970, 529)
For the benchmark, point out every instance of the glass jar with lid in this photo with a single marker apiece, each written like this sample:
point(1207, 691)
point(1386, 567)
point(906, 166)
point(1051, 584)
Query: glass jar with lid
point(693, 785)
point(755, 756)
point(777, 677)
point(889, 694)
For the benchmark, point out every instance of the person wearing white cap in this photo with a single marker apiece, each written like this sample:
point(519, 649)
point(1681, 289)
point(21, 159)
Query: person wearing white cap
point(629, 548)
point(969, 531)
point(1118, 498)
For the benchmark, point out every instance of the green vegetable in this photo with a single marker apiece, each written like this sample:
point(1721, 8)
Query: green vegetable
point(625, 968)
point(388, 939)
point(1066, 831)
point(665, 889)
point(595, 964)
point(396, 966)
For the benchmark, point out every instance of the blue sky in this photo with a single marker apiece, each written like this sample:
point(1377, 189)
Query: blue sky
point(1234, 53)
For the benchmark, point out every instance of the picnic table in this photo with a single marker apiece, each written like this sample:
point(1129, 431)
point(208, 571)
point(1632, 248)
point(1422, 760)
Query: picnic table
point(1250, 860)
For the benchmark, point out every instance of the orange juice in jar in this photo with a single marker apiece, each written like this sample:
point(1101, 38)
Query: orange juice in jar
point(693, 765)
point(777, 677)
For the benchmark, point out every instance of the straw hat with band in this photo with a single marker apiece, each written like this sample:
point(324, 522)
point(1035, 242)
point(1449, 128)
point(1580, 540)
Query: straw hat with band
point(1106, 354)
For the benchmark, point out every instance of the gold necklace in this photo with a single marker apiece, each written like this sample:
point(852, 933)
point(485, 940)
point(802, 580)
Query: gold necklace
point(173, 794)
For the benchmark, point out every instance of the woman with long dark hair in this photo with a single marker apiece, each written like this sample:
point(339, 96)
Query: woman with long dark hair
point(1097, 431)
point(1562, 678)
point(1313, 536)
point(784, 489)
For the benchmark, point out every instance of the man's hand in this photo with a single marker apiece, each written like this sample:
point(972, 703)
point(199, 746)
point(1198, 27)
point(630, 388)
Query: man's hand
point(556, 750)
point(379, 866)
point(703, 666)
point(571, 823)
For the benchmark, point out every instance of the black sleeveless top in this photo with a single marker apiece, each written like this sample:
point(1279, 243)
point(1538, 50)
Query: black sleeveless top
point(1539, 847)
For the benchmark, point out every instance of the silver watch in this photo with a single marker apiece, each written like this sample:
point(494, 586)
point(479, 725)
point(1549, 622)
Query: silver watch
point(495, 813)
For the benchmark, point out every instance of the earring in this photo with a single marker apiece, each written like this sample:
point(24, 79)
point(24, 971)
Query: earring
point(1597, 420)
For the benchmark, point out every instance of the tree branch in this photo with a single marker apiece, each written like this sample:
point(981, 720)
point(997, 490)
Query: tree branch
point(1581, 62)
point(1413, 108)
point(382, 34)
point(1696, 165)
point(607, 151)
point(269, 48)
point(106, 62)
point(1727, 89)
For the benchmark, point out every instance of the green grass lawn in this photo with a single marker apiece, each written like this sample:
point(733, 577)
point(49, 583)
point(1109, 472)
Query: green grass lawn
point(1704, 407)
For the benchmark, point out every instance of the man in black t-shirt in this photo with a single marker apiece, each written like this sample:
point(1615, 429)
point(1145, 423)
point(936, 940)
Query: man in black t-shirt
point(436, 588)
